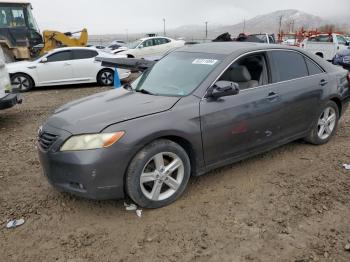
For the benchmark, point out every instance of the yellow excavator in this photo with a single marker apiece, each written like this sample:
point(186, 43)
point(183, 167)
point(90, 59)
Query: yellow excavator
point(20, 37)
point(55, 39)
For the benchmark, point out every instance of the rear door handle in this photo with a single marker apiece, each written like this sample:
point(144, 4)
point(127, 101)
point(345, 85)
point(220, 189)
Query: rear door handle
point(272, 96)
point(67, 64)
point(323, 82)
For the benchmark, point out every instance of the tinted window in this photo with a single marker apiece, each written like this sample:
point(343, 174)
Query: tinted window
point(60, 56)
point(84, 54)
point(289, 65)
point(313, 68)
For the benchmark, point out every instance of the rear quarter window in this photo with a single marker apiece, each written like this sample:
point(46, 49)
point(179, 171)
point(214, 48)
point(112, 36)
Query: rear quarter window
point(288, 65)
point(313, 68)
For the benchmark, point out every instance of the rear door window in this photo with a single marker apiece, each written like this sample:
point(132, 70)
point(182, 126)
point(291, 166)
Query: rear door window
point(321, 38)
point(288, 65)
point(60, 56)
point(161, 41)
point(84, 54)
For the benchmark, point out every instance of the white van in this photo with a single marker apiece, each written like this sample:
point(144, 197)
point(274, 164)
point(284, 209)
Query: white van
point(7, 98)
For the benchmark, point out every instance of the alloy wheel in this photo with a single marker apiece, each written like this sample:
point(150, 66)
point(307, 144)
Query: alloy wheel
point(162, 176)
point(21, 83)
point(326, 123)
point(107, 78)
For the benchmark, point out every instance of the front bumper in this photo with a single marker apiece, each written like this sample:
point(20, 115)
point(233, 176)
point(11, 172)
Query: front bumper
point(94, 174)
point(9, 101)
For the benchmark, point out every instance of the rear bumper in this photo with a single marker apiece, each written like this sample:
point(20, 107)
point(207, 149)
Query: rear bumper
point(9, 101)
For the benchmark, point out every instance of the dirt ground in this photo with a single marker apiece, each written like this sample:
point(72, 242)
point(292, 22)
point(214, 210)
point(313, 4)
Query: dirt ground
point(290, 204)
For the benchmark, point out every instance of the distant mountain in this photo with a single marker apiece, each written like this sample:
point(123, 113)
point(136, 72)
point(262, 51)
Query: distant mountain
point(270, 23)
point(292, 20)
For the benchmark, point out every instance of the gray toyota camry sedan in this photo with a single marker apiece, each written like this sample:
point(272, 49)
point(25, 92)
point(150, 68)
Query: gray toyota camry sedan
point(198, 108)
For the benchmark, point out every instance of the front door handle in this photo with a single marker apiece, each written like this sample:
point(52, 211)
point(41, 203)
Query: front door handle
point(272, 96)
point(323, 82)
point(67, 64)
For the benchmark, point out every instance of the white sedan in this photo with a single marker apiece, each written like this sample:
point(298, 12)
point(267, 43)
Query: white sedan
point(150, 47)
point(63, 66)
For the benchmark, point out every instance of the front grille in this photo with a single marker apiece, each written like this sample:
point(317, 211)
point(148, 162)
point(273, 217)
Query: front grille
point(46, 140)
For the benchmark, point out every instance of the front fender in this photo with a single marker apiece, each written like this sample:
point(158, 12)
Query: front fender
point(180, 123)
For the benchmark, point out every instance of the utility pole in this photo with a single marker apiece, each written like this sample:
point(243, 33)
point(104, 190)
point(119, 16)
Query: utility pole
point(243, 26)
point(206, 30)
point(164, 33)
point(280, 25)
point(293, 23)
point(127, 35)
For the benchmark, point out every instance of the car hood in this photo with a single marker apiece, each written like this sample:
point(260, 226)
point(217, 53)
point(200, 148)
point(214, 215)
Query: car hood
point(94, 113)
point(11, 67)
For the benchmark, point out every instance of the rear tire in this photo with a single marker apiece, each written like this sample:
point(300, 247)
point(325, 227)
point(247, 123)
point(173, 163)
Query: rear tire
point(158, 174)
point(22, 82)
point(325, 125)
point(105, 77)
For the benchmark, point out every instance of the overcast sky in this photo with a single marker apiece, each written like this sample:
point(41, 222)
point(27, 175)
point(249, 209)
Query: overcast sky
point(115, 16)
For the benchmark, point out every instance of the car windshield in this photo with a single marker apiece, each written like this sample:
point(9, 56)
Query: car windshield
point(178, 74)
point(133, 45)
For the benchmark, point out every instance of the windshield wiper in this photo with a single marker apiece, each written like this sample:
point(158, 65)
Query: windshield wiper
point(128, 87)
point(144, 91)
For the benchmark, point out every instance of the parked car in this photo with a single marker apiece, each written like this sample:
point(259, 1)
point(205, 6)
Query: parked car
point(116, 50)
point(198, 108)
point(342, 58)
point(252, 38)
point(7, 98)
point(100, 47)
point(325, 45)
point(62, 66)
point(257, 38)
point(151, 46)
point(118, 42)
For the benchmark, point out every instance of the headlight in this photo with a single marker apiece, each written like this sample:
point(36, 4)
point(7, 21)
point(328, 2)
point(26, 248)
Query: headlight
point(94, 141)
point(346, 59)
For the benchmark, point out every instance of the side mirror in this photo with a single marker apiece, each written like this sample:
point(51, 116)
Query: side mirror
point(140, 47)
point(223, 88)
point(43, 60)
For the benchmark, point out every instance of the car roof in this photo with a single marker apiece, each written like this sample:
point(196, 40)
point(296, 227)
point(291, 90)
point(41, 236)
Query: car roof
point(236, 49)
point(73, 48)
point(153, 37)
point(227, 48)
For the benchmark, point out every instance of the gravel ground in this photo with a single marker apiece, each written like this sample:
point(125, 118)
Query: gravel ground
point(290, 204)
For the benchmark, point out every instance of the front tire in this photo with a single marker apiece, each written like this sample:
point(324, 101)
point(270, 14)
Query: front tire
point(105, 77)
point(325, 126)
point(158, 174)
point(22, 82)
